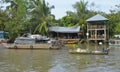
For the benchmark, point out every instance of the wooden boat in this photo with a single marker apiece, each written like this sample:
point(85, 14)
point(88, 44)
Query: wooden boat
point(42, 46)
point(79, 51)
point(83, 51)
point(76, 52)
point(29, 43)
point(114, 42)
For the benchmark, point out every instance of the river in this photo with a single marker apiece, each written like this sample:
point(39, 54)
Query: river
point(57, 61)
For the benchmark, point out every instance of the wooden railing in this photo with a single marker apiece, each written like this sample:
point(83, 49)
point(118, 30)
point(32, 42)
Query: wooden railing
point(96, 37)
point(96, 26)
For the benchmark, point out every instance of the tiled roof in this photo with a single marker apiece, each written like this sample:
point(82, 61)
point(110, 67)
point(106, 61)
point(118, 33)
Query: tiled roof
point(65, 29)
point(97, 17)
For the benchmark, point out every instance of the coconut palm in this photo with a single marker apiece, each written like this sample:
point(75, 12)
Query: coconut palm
point(40, 12)
point(81, 8)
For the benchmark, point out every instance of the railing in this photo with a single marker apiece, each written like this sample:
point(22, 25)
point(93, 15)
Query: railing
point(96, 26)
point(97, 37)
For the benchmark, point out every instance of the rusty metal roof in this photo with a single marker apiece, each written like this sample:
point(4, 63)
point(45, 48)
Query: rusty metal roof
point(65, 29)
point(97, 17)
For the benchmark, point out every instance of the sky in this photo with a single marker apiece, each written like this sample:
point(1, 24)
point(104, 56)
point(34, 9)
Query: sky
point(61, 6)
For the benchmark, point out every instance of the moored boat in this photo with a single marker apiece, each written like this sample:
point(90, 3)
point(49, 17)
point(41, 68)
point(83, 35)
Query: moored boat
point(42, 46)
point(30, 43)
point(71, 42)
point(114, 42)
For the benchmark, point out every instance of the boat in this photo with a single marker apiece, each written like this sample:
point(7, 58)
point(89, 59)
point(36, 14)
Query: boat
point(43, 46)
point(114, 42)
point(79, 52)
point(30, 42)
point(99, 52)
point(71, 42)
point(25, 40)
point(85, 51)
point(37, 37)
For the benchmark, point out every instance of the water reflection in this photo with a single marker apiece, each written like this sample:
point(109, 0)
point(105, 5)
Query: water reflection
point(58, 61)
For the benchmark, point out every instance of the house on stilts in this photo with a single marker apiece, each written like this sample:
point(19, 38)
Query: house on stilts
point(97, 28)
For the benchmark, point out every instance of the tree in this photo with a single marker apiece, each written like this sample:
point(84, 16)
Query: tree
point(81, 8)
point(40, 14)
point(117, 28)
point(3, 18)
point(17, 16)
point(114, 20)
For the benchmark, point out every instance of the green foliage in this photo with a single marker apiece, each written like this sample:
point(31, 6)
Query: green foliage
point(41, 16)
point(67, 21)
point(3, 19)
point(35, 16)
point(17, 14)
point(75, 46)
point(117, 28)
point(28, 16)
point(114, 21)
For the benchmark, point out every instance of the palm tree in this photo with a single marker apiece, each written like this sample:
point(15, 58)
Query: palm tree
point(81, 8)
point(40, 12)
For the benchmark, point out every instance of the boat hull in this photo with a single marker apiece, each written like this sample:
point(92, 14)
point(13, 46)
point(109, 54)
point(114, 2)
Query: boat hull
point(43, 46)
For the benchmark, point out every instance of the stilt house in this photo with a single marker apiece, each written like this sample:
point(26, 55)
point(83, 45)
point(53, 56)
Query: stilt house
point(97, 28)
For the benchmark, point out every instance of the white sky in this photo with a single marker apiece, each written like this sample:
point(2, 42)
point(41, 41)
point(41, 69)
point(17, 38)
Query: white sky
point(61, 6)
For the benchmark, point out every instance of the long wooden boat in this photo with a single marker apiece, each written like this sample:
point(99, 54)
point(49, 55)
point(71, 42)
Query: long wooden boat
point(76, 52)
point(31, 43)
point(86, 52)
point(30, 46)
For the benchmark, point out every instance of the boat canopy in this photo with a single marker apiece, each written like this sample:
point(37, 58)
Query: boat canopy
point(24, 40)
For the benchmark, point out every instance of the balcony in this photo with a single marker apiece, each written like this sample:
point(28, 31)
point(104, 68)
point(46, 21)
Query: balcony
point(97, 37)
point(96, 27)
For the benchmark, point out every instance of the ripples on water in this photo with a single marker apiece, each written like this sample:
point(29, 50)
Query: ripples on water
point(57, 61)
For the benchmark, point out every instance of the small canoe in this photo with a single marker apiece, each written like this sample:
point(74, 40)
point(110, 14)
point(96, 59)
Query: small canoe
point(88, 52)
point(75, 52)
point(99, 53)
point(79, 51)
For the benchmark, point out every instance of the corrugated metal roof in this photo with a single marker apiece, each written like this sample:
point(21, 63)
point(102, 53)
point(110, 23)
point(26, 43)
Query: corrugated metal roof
point(97, 17)
point(65, 29)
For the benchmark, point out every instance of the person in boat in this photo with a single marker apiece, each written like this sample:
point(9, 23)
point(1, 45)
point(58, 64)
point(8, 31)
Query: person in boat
point(107, 50)
point(101, 47)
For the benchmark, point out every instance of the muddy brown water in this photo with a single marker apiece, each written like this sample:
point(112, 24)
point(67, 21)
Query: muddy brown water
point(12, 60)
